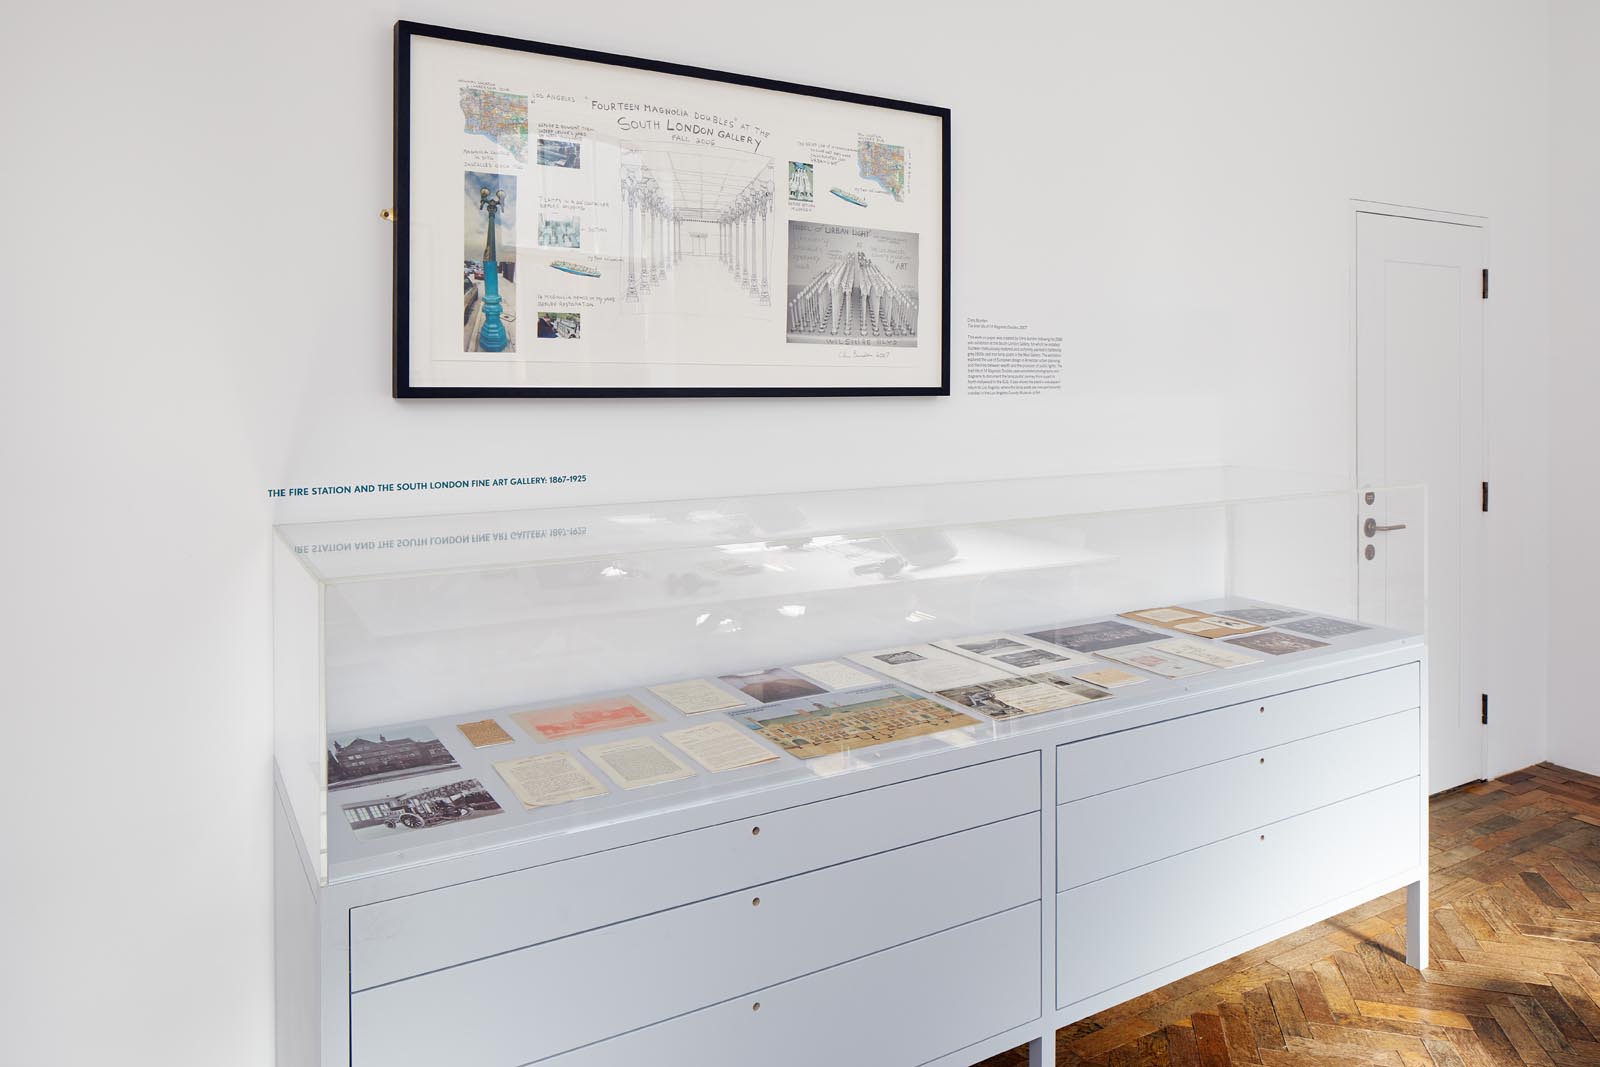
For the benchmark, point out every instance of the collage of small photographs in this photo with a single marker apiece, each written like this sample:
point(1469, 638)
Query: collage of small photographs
point(733, 722)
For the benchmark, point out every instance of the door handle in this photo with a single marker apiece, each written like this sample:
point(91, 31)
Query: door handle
point(1371, 527)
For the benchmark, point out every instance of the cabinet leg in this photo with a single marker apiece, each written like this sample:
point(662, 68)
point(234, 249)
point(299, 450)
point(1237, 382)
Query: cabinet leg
point(1417, 924)
point(1042, 1051)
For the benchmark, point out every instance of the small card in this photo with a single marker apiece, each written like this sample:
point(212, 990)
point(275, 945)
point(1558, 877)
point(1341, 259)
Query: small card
point(1189, 621)
point(1212, 626)
point(483, 733)
point(1109, 677)
point(1160, 616)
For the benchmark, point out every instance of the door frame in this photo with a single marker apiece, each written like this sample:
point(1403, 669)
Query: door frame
point(1355, 208)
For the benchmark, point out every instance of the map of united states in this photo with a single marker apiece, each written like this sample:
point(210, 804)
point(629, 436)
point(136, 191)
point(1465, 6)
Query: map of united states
point(884, 164)
point(501, 117)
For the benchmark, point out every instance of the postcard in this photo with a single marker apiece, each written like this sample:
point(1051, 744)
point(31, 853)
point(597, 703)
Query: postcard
point(1190, 621)
point(929, 668)
point(1277, 644)
point(635, 762)
point(1213, 626)
point(697, 696)
point(1008, 652)
point(589, 717)
point(772, 685)
point(1010, 698)
point(1161, 616)
point(385, 754)
point(824, 726)
point(1093, 636)
point(720, 746)
point(1264, 616)
point(549, 778)
point(1109, 677)
point(483, 733)
point(1205, 652)
point(835, 675)
point(1324, 627)
point(439, 805)
point(1156, 662)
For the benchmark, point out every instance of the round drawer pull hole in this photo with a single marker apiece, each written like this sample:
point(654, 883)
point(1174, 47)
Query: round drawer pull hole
point(755, 831)
point(1263, 759)
point(756, 1006)
point(755, 902)
point(1263, 837)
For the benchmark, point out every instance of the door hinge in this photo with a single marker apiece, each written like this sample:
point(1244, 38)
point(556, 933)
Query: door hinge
point(1486, 709)
point(1486, 283)
point(1485, 496)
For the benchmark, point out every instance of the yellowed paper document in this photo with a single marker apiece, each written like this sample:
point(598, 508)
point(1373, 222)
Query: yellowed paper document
point(696, 696)
point(720, 746)
point(548, 779)
point(636, 762)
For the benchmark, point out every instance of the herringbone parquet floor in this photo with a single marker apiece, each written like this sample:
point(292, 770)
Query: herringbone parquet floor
point(1514, 974)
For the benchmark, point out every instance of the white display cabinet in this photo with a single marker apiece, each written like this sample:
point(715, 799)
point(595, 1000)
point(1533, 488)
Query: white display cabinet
point(680, 780)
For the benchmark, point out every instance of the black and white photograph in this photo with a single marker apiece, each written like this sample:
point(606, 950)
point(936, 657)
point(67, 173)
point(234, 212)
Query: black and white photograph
point(385, 755)
point(1324, 627)
point(1261, 616)
point(1011, 653)
point(453, 802)
point(1010, 698)
point(852, 285)
point(897, 658)
point(1274, 643)
point(1094, 636)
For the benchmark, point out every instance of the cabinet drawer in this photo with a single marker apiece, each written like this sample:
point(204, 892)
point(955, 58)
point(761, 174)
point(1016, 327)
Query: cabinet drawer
point(1099, 764)
point(554, 997)
point(1126, 828)
point(413, 935)
point(899, 1008)
point(1119, 928)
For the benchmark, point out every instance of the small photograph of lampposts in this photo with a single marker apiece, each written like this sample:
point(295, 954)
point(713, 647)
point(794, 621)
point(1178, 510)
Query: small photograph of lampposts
point(488, 289)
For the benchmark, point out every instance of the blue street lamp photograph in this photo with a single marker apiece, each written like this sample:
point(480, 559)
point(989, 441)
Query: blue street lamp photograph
point(490, 203)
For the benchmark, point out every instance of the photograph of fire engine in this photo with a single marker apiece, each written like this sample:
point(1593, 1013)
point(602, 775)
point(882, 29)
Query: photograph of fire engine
point(420, 809)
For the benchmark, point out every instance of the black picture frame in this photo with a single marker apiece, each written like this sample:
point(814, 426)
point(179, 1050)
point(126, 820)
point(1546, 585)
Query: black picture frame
point(405, 32)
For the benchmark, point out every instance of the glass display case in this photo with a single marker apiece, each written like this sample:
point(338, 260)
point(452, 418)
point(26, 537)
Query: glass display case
point(455, 682)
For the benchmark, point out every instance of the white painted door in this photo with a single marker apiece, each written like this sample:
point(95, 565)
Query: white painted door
point(1419, 366)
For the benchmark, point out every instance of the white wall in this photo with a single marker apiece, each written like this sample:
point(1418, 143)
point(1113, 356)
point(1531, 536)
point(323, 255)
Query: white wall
point(1575, 379)
point(196, 307)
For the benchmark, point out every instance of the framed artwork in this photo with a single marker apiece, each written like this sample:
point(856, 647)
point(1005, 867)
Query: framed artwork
point(571, 223)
